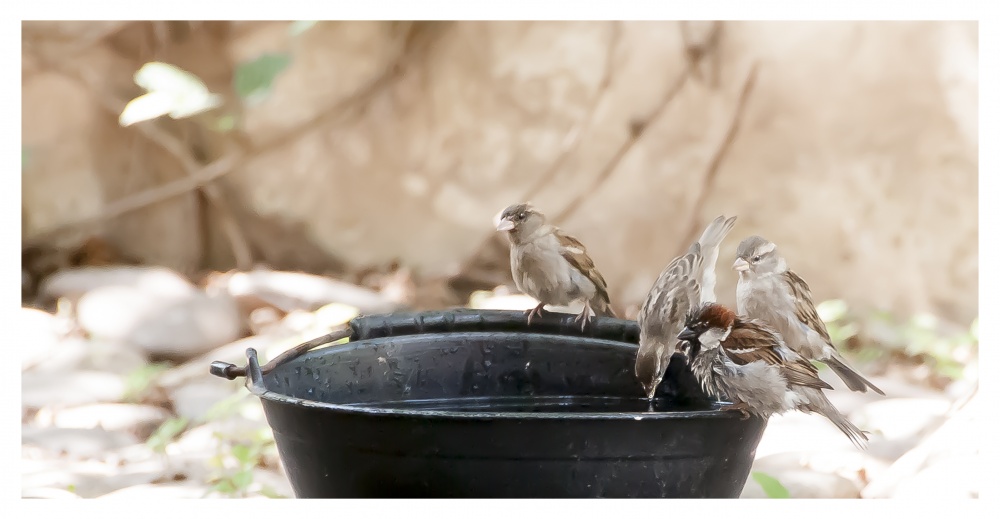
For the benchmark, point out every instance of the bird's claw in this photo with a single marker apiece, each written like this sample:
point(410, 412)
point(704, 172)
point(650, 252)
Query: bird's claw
point(742, 407)
point(531, 312)
point(584, 317)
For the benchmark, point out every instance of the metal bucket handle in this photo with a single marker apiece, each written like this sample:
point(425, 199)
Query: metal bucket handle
point(231, 371)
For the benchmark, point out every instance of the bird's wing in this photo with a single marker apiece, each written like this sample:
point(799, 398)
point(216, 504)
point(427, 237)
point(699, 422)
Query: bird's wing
point(805, 310)
point(751, 342)
point(675, 292)
point(576, 254)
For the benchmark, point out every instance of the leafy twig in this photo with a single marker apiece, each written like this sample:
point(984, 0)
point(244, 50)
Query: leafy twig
point(222, 166)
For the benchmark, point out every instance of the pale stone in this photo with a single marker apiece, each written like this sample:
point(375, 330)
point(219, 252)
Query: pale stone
point(65, 389)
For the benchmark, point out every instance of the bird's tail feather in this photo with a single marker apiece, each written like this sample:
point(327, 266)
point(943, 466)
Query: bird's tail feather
point(853, 380)
point(818, 403)
point(709, 242)
point(716, 231)
point(602, 308)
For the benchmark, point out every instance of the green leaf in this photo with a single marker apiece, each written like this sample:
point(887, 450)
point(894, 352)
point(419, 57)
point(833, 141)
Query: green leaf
point(242, 453)
point(225, 486)
point(253, 79)
point(159, 440)
point(772, 487)
point(242, 479)
point(170, 91)
point(224, 124)
point(271, 493)
point(298, 27)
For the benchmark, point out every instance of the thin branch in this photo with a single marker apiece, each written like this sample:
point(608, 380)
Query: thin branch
point(569, 144)
point(712, 170)
point(142, 199)
point(572, 139)
point(220, 167)
point(173, 146)
point(696, 51)
point(639, 128)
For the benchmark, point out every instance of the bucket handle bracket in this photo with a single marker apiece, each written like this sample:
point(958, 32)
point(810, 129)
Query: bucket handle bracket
point(230, 371)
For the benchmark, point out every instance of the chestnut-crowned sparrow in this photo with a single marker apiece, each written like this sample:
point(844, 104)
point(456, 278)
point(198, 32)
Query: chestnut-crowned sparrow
point(746, 361)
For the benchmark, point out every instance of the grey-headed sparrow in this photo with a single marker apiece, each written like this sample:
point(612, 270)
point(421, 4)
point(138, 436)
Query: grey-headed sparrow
point(686, 282)
point(746, 361)
point(769, 291)
point(552, 266)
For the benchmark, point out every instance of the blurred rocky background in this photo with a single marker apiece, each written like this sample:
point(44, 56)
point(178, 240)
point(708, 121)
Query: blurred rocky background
point(191, 189)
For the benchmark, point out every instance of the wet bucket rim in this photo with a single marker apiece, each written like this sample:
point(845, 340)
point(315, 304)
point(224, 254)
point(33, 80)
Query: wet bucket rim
point(255, 384)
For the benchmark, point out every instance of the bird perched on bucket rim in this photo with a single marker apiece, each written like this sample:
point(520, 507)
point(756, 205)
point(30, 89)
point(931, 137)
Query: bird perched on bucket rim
point(552, 266)
point(747, 361)
point(686, 282)
point(771, 292)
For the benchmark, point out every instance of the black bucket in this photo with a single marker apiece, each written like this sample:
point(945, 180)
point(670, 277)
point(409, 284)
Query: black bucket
point(469, 403)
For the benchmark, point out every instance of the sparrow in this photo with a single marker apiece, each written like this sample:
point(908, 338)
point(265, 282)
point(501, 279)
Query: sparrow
point(768, 290)
point(552, 266)
point(686, 282)
point(748, 362)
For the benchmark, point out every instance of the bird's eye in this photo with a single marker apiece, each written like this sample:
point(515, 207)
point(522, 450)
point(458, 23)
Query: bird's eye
point(522, 216)
point(755, 259)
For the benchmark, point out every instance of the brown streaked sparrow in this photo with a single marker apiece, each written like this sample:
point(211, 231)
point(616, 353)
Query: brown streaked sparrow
point(552, 266)
point(686, 282)
point(747, 361)
point(769, 291)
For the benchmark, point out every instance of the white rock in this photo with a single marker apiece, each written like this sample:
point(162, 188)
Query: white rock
point(74, 353)
point(194, 399)
point(948, 456)
point(81, 443)
point(74, 283)
point(797, 432)
point(90, 478)
point(137, 419)
point(175, 326)
point(899, 418)
point(66, 389)
point(957, 477)
point(299, 290)
point(39, 336)
point(847, 462)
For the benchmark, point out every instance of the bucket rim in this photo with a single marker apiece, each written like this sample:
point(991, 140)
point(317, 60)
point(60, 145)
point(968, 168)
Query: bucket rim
point(266, 394)
point(255, 384)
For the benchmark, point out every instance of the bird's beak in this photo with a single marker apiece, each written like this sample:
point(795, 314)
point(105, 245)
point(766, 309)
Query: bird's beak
point(687, 334)
point(741, 265)
point(505, 225)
